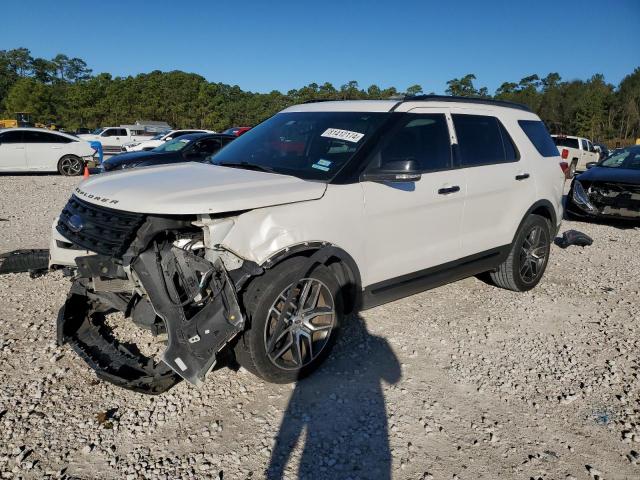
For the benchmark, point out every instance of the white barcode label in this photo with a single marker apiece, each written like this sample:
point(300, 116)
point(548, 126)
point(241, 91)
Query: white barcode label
point(347, 135)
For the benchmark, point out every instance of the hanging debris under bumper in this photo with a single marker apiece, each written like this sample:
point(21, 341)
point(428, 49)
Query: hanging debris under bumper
point(178, 292)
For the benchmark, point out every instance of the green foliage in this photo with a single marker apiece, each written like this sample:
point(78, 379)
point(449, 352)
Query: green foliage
point(64, 91)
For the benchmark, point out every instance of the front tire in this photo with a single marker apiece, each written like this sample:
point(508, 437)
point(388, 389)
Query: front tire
point(70, 166)
point(283, 348)
point(528, 258)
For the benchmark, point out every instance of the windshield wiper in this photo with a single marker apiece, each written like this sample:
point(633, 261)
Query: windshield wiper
point(247, 166)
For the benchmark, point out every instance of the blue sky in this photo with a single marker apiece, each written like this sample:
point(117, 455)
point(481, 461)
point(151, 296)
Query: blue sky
point(271, 44)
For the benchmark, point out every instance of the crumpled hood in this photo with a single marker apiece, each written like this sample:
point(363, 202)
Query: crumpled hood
point(610, 174)
point(192, 188)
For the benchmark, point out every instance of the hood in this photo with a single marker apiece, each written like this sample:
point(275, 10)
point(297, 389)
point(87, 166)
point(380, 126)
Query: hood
point(610, 174)
point(134, 157)
point(192, 188)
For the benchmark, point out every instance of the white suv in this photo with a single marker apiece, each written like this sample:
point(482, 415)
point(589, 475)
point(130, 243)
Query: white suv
point(322, 209)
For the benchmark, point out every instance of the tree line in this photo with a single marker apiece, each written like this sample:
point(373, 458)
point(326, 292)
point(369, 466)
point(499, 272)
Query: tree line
point(65, 91)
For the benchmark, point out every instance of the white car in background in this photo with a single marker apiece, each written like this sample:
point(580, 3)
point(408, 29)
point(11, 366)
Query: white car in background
point(41, 150)
point(158, 140)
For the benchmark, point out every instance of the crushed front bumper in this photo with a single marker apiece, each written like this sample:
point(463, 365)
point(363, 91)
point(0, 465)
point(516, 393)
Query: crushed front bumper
point(604, 201)
point(194, 301)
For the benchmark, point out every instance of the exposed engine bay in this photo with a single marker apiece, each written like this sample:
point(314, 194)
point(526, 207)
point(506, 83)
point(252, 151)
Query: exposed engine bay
point(165, 281)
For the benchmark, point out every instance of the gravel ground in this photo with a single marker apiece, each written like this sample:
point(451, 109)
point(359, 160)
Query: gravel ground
point(463, 382)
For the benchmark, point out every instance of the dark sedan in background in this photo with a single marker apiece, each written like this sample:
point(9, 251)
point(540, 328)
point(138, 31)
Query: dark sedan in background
point(195, 147)
point(609, 189)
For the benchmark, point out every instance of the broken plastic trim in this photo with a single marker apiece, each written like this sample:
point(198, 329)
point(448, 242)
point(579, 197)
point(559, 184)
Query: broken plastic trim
point(81, 324)
point(198, 303)
point(194, 297)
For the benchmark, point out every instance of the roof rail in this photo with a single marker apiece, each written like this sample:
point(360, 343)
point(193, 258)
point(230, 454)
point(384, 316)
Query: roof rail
point(484, 101)
point(318, 100)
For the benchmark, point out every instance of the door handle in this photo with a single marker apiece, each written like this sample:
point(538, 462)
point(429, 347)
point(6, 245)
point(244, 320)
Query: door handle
point(522, 176)
point(448, 190)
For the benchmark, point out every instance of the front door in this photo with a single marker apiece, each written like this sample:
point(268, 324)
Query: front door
point(414, 225)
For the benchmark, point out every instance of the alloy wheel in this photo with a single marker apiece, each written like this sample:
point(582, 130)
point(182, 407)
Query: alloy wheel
point(71, 166)
point(533, 254)
point(296, 334)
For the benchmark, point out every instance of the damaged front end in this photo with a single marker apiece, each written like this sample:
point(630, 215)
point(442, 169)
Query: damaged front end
point(157, 272)
point(607, 200)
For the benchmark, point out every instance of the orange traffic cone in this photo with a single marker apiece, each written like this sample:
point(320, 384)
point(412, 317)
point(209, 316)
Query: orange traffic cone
point(86, 172)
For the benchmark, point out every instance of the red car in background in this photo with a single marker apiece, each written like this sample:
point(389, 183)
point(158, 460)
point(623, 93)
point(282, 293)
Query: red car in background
point(237, 131)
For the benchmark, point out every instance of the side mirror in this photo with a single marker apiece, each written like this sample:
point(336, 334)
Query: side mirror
point(591, 164)
point(398, 171)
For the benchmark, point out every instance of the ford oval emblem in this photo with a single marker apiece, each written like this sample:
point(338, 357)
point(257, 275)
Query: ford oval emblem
point(75, 223)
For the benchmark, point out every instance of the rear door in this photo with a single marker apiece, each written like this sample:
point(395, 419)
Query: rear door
point(44, 150)
point(414, 225)
point(500, 184)
point(12, 154)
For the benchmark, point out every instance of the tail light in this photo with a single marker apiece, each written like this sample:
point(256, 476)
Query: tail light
point(565, 154)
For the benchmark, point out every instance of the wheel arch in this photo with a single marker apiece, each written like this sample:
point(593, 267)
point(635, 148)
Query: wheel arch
point(341, 263)
point(545, 209)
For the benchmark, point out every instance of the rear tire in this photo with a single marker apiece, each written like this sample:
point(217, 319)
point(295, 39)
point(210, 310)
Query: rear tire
point(311, 337)
point(70, 166)
point(528, 258)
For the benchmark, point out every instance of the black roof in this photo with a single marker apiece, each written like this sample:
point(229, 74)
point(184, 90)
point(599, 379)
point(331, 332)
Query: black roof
point(482, 101)
point(197, 135)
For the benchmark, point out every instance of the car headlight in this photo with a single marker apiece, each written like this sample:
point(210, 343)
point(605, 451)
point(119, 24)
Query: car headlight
point(580, 197)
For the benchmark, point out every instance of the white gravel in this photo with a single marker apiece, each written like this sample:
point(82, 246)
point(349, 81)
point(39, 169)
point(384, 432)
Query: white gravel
point(463, 382)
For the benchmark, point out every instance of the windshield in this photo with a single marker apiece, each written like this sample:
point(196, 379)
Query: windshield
point(172, 145)
point(159, 135)
point(308, 145)
point(625, 158)
point(98, 131)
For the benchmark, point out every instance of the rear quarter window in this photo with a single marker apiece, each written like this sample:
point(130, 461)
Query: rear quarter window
point(539, 136)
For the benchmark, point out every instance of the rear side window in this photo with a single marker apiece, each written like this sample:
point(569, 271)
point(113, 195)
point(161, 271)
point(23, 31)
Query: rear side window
point(539, 136)
point(566, 142)
point(14, 136)
point(423, 138)
point(483, 140)
point(44, 137)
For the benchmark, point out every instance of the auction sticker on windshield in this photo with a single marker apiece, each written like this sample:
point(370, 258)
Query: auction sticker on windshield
point(347, 135)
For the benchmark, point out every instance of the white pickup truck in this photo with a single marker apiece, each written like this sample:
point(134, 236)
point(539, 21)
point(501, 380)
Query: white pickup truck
point(112, 138)
point(577, 151)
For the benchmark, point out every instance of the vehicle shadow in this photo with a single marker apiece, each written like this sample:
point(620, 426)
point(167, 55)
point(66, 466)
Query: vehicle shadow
point(337, 416)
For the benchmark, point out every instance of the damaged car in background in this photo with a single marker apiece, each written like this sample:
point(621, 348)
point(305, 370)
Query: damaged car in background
point(609, 189)
point(320, 210)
